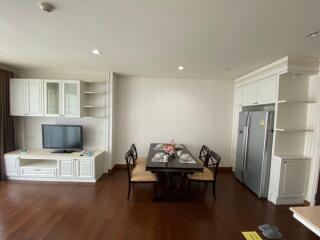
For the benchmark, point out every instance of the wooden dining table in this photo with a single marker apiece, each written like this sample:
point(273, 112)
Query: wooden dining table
point(171, 174)
point(173, 164)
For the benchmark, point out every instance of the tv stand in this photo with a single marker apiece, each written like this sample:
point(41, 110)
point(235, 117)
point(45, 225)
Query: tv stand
point(63, 151)
point(45, 165)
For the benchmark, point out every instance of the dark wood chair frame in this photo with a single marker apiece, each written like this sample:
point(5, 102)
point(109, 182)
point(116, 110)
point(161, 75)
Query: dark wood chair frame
point(130, 160)
point(135, 152)
point(204, 153)
point(212, 162)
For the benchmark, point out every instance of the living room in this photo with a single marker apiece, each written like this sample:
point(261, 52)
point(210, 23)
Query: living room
point(168, 120)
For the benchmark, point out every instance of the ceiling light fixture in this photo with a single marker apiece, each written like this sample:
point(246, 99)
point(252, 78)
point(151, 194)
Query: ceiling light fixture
point(47, 7)
point(313, 34)
point(180, 68)
point(95, 51)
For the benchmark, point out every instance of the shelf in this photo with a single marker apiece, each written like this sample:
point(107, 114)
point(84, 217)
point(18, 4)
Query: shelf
point(93, 82)
point(292, 130)
point(297, 101)
point(89, 106)
point(293, 157)
point(39, 163)
point(96, 93)
point(93, 117)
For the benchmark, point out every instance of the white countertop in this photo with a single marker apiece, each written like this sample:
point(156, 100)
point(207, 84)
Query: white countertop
point(308, 216)
point(41, 153)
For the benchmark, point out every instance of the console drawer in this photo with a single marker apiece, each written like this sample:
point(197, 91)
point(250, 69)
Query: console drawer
point(38, 172)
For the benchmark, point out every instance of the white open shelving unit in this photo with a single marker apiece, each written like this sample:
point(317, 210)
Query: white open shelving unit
point(290, 164)
point(94, 99)
point(291, 115)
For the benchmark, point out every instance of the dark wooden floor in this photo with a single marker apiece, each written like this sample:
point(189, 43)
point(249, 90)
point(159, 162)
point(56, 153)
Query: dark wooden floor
point(100, 211)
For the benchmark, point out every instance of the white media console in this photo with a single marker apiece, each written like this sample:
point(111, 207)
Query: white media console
point(43, 165)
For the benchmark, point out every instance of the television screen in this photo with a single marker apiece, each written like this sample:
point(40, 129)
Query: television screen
point(62, 136)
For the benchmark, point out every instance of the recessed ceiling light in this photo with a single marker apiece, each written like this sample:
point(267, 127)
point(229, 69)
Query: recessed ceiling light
point(313, 34)
point(180, 68)
point(95, 51)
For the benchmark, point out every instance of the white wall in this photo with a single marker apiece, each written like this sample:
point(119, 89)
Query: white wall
point(312, 143)
point(193, 112)
point(95, 130)
point(30, 127)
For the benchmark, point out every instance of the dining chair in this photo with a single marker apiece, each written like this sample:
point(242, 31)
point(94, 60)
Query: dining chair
point(138, 173)
point(203, 154)
point(137, 160)
point(209, 173)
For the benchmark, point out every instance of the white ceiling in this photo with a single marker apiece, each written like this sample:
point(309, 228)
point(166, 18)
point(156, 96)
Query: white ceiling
point(151, 38)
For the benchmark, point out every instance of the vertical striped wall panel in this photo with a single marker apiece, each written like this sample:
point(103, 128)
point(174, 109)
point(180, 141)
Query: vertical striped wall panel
point(193, 112)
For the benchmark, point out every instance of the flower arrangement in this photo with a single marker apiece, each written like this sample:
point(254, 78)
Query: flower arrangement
point(170, 148)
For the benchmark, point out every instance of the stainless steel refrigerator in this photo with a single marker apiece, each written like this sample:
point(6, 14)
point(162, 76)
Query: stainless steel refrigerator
point(254, 149)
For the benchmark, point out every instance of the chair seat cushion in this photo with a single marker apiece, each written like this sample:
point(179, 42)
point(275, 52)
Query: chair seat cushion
point(141, 161)
point(200, 161)
point(206, 175)
point(139, 174)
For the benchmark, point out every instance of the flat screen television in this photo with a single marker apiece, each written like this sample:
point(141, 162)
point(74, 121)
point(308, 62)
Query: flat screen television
point(66, 138)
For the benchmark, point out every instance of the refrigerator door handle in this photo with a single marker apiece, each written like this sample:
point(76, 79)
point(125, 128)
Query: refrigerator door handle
point(244, 153)
point(246, 133)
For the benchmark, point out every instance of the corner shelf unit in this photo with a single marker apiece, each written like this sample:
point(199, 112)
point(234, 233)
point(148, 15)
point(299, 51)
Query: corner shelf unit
point(291, 114)
point(94, 99)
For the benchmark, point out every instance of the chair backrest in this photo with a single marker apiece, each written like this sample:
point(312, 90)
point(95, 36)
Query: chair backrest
point(130, 161)
point(204, 153)
point(213, 161)
point(135, 152)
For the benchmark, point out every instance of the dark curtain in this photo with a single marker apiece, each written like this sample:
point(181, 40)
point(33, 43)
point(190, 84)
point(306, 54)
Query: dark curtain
point(6, 121)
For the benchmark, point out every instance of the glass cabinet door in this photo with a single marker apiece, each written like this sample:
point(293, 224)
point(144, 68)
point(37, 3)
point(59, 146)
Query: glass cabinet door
point(52, 95)
point(71, 98)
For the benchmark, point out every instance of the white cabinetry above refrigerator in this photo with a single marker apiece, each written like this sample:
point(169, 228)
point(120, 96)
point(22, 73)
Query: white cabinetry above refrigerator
point(259, 92)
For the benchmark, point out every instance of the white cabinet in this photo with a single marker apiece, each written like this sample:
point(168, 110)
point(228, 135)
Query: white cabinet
point(34, 172)
point(288, 180)
point(35, 97)
point(66, 169)
point(52, 98)
point(249, 94)
point(260, 92)
point(84, 169)
point(267, 90)
point(62, 98)
point(18, 105)
point(11, 166)
point(26, 97)
point(71, 98)
point(237, 97)
point(43, 165)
